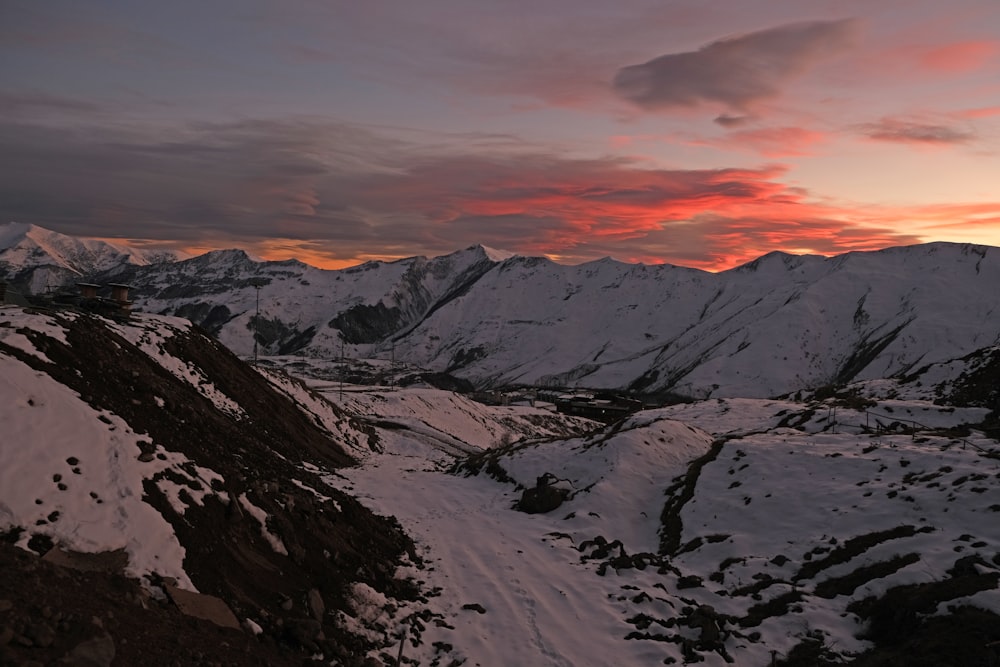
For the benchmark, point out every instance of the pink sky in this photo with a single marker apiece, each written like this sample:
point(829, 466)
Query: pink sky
point(700, 134)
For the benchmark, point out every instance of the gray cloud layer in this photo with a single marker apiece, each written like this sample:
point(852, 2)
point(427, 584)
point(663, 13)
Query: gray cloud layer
point(908, 132)
point(735, 72)
point(346, 192)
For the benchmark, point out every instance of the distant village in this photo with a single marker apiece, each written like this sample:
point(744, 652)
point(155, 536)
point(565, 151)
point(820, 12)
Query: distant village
point(109, 300)
point(600, 406)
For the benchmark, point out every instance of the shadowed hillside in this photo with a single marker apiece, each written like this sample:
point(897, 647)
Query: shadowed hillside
point(219, 454)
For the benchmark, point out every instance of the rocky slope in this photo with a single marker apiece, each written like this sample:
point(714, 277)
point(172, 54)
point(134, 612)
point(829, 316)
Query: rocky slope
point(151, 443)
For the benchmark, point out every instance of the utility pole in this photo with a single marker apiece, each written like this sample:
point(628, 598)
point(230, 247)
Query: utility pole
point(392, 367)
point(257, 284)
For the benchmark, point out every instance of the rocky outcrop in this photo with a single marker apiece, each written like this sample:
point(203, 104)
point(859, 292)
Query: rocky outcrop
point(547, 494)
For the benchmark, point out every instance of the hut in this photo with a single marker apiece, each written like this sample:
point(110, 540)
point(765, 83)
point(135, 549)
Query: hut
point(119, 295)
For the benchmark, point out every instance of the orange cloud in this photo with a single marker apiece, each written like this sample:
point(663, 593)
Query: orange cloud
point(960, 56)
point(264, 187)
point(319, 254)
point(578, 210)
point(772, 142)
point(981, 112)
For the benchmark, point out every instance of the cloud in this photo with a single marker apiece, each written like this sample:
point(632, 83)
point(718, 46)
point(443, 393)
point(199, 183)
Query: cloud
point(716, 242)
point(735, 72)
point(33, 104)
point(911, 132)
point(980, 112)
point(960, 57)
point(731, 120)
point(337, 194)
point(772, 142)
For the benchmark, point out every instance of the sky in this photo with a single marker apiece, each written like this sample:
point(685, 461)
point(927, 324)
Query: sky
point(702, 133)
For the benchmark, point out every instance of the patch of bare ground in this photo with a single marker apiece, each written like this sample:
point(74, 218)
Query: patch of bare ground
point(51, 613)
point(854, 547)
point(847, 584)
point(678, 494)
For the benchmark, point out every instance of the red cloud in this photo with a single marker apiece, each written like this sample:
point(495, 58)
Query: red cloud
point(960, 56)
point(773, 142)
point(335, 195)
point(578, 210)
point(981, 112)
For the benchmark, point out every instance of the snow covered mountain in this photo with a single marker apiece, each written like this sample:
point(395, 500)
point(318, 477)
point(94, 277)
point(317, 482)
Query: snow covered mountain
point(142, 448)
point(35, 259)
point(774, 326)
point(312, 519)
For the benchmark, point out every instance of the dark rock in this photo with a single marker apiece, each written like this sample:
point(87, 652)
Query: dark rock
point(95, 652)
point(316, 605)
point(707, 620)
point(199, 605)
point(475, 606)
point(545, 497)
point(101, 561)
point(305, 632)
point(966, 566)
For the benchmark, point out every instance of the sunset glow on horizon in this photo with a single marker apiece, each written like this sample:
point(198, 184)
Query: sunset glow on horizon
point(654, 132)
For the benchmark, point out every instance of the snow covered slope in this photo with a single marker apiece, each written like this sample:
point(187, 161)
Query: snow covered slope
point(359, 523)
point(774, 326)
point(304, 309)
point(735, 531)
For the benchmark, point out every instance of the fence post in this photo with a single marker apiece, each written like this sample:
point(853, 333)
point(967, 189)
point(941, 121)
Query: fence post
point(399, 656)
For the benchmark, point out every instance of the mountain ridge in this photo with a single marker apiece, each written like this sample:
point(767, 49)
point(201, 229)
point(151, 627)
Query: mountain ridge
point(779, 324)
point(39, 259)
point(356, 524)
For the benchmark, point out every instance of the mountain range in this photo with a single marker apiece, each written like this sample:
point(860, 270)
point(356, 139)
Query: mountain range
point(163, 502)
point(777, 325)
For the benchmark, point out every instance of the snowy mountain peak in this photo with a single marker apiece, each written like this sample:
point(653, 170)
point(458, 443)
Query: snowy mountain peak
point(39, 258)
point(496, 255)
point(228, 256)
